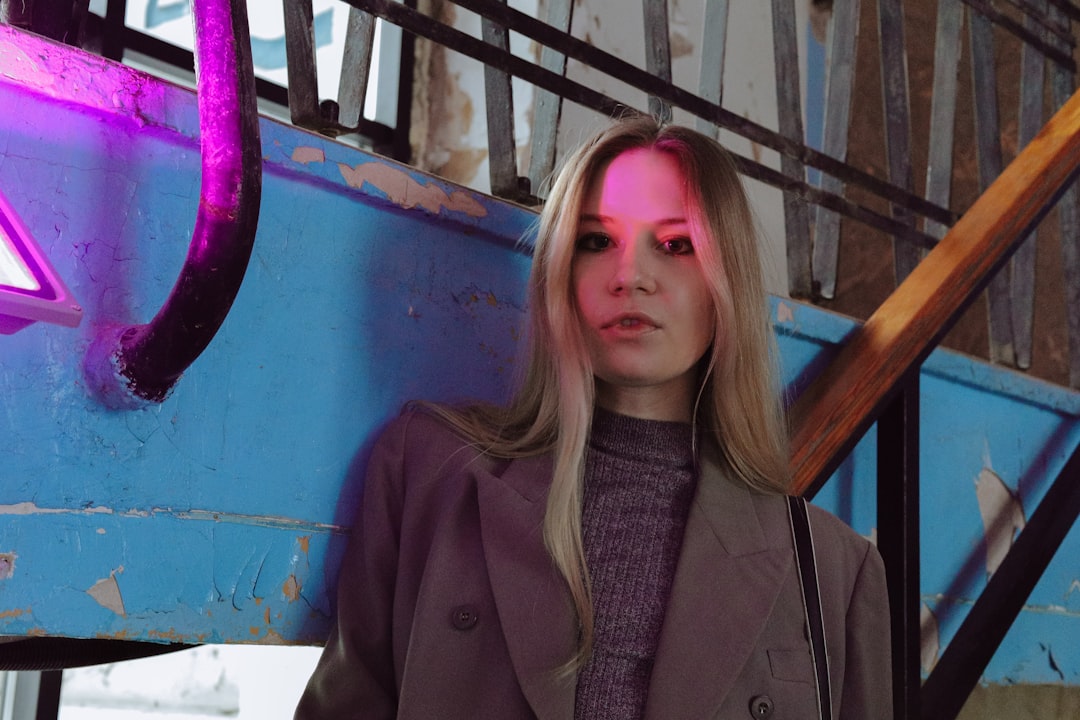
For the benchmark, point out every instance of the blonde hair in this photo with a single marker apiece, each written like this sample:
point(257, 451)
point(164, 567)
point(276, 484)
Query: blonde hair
point(738, 408)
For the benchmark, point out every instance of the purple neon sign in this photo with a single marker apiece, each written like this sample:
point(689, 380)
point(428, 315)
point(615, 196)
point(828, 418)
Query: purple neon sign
point(30, 289)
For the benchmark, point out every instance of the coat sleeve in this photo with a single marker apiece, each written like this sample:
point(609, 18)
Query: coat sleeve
point(867, 683)
point(356, 676)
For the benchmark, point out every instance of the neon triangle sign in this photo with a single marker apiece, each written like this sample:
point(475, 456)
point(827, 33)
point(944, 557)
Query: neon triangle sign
point(30, 289)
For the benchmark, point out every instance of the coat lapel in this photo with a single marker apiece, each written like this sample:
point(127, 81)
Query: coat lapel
point(730, 571)
point(533, 603)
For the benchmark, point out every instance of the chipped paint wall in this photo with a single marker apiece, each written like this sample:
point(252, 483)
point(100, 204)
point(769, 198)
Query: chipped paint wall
point(220, 515)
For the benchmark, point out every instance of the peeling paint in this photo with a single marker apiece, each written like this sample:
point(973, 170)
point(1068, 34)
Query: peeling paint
point(107, 593)
point(7, 565)
point(173, 636)
point(305, 155)
point(930, 639)
point(273, 638)
point(305, 543)
point(118, 635)
point(268, 521)
point(404, 191)
point(17, 612)
point(291, 588)
point(29, 508)
point(784, 313)
point(1002, 516)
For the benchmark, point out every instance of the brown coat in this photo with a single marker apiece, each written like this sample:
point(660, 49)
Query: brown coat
point(449, 607)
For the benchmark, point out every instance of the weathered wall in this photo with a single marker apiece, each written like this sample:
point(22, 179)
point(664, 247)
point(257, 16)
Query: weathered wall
point(220, 515)
point(450, 135)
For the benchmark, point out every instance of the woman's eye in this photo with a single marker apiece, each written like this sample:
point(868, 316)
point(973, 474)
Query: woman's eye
point(593, 242)
point(678, 246)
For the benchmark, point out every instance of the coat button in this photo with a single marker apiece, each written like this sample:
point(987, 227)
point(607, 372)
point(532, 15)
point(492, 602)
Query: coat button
point(464, 617)
point(761, 706)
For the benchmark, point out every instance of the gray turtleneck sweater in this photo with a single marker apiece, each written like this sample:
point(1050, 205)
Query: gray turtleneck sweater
point(640, 477)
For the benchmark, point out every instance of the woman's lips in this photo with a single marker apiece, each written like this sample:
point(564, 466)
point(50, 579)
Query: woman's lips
point(632, 323)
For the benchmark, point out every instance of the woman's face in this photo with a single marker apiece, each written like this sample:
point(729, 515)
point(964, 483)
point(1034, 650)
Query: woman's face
point(644, 306)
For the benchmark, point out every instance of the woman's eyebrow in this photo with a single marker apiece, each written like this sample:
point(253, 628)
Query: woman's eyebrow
point(606, 219)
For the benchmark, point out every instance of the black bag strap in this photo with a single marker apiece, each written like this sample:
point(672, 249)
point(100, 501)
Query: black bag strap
point(805, 562)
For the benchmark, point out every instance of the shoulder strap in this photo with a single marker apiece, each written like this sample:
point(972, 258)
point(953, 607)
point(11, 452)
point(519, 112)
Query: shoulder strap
point(804, 560)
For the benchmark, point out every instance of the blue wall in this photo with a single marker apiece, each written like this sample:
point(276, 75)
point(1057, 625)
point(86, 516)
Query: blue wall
point(220, 515)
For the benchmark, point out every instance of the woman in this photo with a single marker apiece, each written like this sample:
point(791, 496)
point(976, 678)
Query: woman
point(615, 543)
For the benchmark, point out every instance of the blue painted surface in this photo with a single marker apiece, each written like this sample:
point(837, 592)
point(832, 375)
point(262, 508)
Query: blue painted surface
point(220, 515)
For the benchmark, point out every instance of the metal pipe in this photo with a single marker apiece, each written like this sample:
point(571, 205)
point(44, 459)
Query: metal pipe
point(129, 366)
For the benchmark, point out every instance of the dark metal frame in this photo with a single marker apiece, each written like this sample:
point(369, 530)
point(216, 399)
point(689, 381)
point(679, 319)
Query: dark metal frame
point(392, 141)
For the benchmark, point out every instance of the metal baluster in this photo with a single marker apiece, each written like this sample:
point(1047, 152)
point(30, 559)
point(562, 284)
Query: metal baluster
point(897, 112)
point(789, 108)
point(548, 105)
point(302, 71)
point(1063, 84)
point(657, 52)
point(355, 66)
point(713, 49)
point(1032, 74)
point(988, 150)
point(502, 151)
point(843, 37)
point(943, 109)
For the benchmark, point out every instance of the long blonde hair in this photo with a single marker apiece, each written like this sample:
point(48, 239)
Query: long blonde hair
point(738, 408)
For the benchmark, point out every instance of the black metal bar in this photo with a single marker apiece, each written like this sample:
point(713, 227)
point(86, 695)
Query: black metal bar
point(36, 654)
point(1041, 17)
point(113, 41)
point(48, 700)
point(1073, 11)
point(898, 538)
point(967, 654)
point(415, 22)
point(678, 97)
point(401, 149)
point(178, 57)
point(1056, 54)
point(831, 201)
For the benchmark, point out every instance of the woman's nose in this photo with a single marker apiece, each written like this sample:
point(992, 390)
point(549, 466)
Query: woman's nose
point(632, 273)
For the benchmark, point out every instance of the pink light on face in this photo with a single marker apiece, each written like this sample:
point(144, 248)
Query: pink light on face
point(30, 290)
point(646, 311)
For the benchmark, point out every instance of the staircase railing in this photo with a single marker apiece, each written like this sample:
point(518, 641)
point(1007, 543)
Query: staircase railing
point(874, 378)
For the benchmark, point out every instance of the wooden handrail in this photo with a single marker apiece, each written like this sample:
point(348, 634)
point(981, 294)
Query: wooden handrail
point(838, 407)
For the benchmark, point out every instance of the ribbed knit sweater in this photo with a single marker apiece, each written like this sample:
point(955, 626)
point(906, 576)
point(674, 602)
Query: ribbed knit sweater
point(639, 482)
